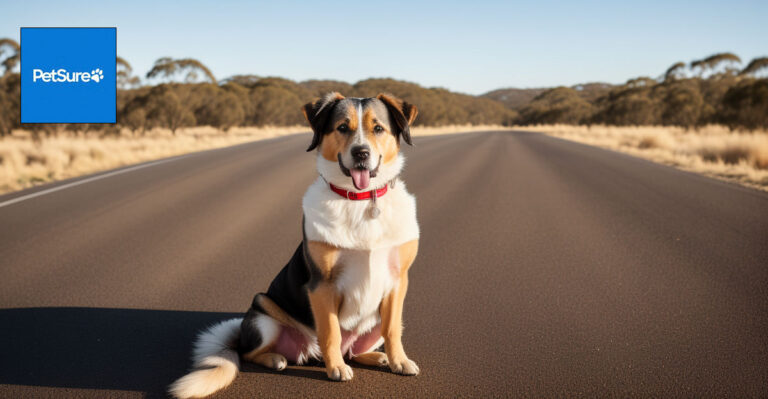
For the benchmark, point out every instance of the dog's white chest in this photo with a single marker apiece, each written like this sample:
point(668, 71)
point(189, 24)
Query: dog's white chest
point(347, 224)
point(366, 277)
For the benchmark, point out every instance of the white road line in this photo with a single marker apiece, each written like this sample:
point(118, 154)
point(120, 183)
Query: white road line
point(88, 180)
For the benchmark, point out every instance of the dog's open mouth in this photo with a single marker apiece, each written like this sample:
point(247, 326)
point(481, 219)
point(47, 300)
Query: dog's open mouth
point(360, 174)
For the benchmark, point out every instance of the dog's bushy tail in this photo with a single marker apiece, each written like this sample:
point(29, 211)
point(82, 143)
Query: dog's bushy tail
point(215, 360)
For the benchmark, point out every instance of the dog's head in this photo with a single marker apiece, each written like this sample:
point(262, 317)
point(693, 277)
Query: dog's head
point(358, 139)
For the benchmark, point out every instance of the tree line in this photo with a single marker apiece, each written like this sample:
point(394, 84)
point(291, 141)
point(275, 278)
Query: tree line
point(713, 90)
point(184, 93)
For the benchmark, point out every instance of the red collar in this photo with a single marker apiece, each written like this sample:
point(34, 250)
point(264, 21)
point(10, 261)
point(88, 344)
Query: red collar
point(351, 195)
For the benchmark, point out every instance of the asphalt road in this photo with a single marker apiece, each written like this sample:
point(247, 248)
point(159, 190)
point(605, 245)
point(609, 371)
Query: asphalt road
point(546, 269)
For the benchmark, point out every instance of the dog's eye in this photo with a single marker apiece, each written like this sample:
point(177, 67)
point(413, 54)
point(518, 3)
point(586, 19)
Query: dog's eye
point(378, 129)
point(343, 128)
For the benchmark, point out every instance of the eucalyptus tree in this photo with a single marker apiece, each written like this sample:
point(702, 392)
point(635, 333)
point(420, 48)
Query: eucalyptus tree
point(125, 78)
point(558, 105)
point(745, 105)
point(754, 66)
point(711, 63)
point(674, 71)
point(168, 67)
point(11, 47)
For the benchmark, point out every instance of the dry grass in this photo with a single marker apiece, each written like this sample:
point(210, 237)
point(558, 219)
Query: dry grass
point(712, 150)
point(25, 162)
point(450, 129)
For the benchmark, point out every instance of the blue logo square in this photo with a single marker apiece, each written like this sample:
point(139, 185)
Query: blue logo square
point(68, 75)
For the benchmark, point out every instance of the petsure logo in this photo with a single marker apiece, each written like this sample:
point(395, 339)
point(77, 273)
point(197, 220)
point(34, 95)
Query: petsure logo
point(62, 75)
point(68, 75)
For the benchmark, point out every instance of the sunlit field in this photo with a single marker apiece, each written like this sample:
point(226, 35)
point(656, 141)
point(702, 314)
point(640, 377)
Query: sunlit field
point(713, 150)
point(25, 162)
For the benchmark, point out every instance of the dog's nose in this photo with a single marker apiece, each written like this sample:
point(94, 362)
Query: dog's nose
point(361, 152)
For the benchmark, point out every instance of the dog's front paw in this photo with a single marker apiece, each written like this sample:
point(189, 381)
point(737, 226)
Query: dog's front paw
point(403, 366)
point(340, 373)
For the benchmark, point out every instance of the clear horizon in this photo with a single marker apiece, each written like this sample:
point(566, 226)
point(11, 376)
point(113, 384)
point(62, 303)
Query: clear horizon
point(466, 47)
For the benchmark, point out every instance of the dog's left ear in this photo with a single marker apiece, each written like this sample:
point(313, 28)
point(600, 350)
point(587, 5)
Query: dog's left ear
point(317, 113)
point(402, 113)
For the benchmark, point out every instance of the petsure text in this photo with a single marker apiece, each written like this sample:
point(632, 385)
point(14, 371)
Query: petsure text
point(62, 75)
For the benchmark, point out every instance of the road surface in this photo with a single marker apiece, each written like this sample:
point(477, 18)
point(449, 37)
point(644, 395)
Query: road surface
point(546, 268)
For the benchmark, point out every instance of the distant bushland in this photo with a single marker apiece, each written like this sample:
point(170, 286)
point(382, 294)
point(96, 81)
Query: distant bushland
point(179, 93)
point(708, 91)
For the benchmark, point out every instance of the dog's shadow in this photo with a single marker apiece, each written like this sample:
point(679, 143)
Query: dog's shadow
point(100, 348)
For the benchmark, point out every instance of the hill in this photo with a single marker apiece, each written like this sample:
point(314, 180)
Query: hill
point(516, 99)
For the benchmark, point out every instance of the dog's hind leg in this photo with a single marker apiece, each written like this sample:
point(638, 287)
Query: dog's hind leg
point(263, 333)
point(270, 337)
point(269, 307)
point(366, 345)
point(259, 333)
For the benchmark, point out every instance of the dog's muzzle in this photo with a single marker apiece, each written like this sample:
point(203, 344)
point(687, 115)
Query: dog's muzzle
point(360, 174)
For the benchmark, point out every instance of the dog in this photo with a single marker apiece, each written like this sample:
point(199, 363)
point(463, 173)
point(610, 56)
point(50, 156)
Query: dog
point(341, 294)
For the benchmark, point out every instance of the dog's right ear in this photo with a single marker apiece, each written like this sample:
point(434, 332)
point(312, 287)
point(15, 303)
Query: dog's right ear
point(317, 113)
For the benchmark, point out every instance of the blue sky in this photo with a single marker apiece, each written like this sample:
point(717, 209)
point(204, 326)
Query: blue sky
point(469, 46)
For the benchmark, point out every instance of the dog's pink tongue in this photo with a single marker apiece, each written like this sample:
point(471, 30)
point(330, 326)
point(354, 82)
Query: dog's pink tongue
point(361, 178)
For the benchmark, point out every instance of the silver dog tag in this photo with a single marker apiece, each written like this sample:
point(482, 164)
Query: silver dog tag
point(373, 210)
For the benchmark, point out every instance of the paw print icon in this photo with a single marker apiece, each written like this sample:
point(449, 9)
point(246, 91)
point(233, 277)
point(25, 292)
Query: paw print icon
point(97, 75)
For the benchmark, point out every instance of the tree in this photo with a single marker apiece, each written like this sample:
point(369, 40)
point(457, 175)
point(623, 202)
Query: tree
point(214, 106)
point(640, 82)
point(318, 88)
point(124, 71)
point(243, 80)
point(755, 66)
point(10, 89)
point(746, 105)
point(682, 104)
point(634, 103)
point(132, 109)
point(674, 71)
point(167, 67)
point(274, 105)
point(14, 54)
point(713, 61)
point(558, 105)
point(135, 119)
point(165, 109)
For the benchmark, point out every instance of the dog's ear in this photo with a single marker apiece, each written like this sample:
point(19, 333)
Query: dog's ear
point(402, 113)
point(317, 113)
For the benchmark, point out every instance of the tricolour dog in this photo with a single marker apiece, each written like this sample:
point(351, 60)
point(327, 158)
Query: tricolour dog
point(341, 294)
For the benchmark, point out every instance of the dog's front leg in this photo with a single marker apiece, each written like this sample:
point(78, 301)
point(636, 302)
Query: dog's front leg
point(325, 301)
point(325, 305)
point(392, 315)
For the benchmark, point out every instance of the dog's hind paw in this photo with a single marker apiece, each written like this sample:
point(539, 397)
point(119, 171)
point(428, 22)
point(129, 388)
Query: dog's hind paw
point(404, 367)
point(274, 361)
point(340, 373)
point(279, 362)
point(375, 359)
